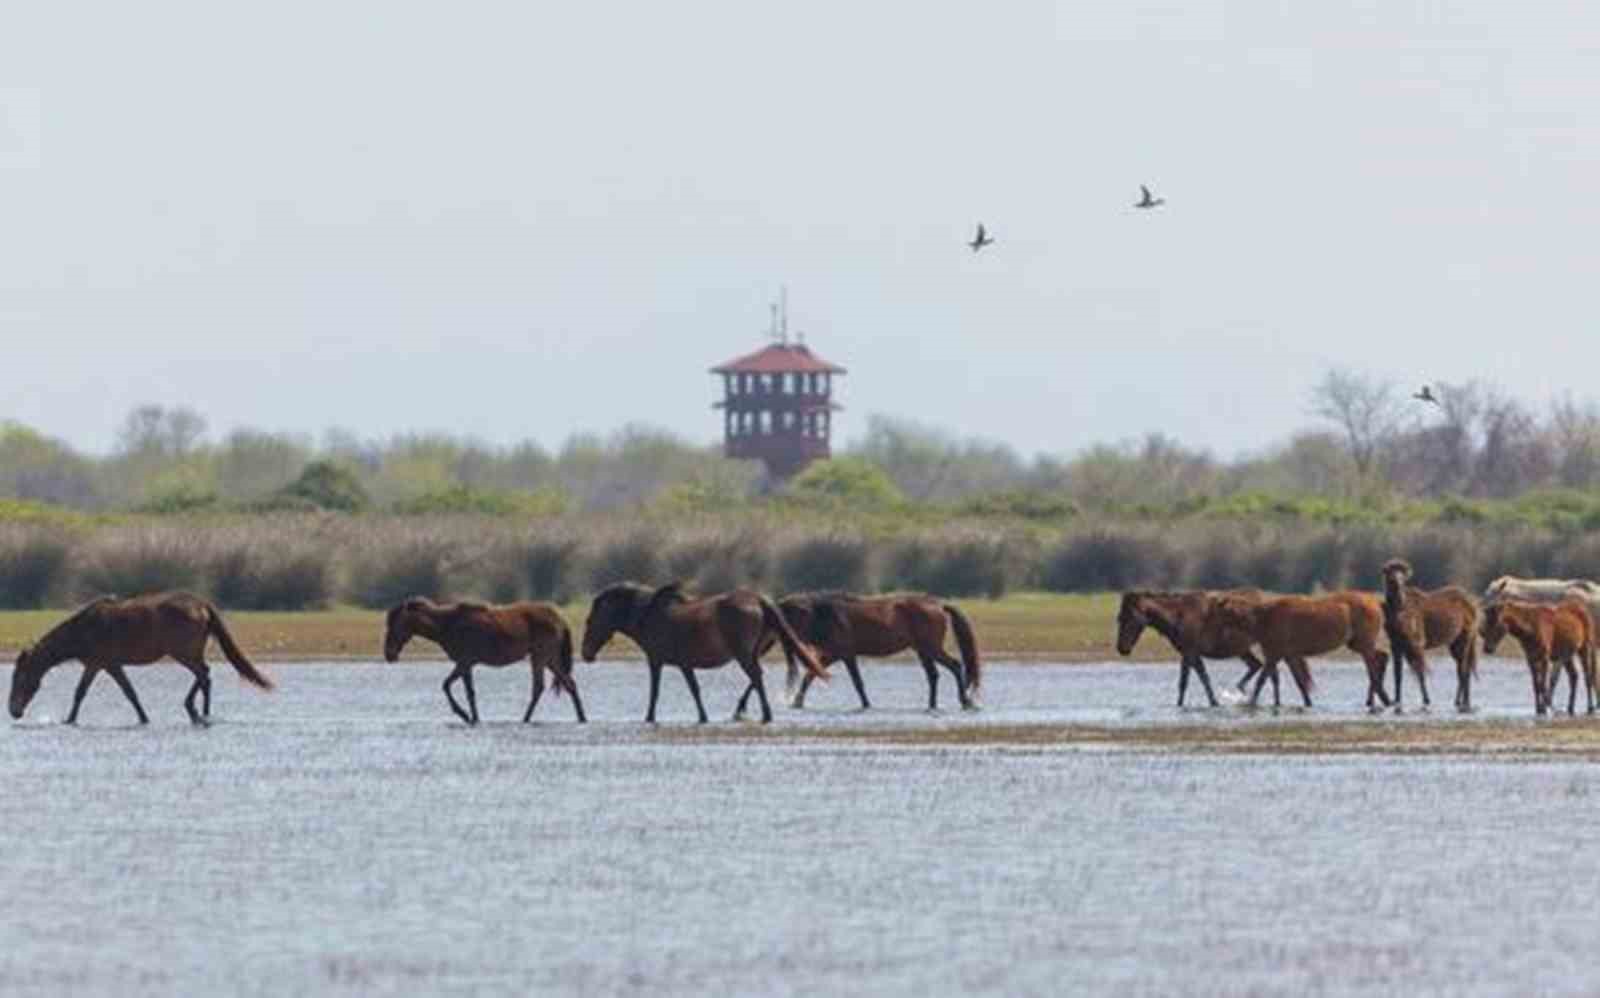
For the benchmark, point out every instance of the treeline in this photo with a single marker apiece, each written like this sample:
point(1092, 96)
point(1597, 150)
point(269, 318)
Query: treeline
point(308, 561)
point(1378, 453)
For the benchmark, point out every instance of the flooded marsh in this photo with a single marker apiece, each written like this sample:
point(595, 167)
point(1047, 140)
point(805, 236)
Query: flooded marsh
point(346, 835)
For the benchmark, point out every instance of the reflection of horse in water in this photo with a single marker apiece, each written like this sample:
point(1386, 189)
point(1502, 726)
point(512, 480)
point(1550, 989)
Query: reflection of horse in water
point(1417, 620)
point(1294, 628)
point(843, 627)
point(707, 633)
point(1190, 624)
point(477, 634)
point(110, 633)
point(1549, 635)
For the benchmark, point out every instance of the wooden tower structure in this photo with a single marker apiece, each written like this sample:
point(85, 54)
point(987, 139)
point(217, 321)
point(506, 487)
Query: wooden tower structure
point(777, 403)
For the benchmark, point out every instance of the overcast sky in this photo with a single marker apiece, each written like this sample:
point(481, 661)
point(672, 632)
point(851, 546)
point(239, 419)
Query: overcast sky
point(525, 219)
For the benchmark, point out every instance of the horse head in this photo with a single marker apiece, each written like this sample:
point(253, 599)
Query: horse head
point(401, 625)
point(24, 682)
point(1132, 619)
point(614, 608)
point(1493, 627)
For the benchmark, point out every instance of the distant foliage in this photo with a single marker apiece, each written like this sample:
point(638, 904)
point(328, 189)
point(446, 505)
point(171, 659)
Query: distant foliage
point(553, 568)
point(851, 482)
point(1102, 560)
point(952, 567)
point(33, 568)
point(327, 485)
point(413, 567)
point(143, 562)
point(253, 577)
point(635, 557)
point(830, 561)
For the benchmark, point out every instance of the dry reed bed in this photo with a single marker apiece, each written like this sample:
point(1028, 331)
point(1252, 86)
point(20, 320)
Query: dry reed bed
point(310, 561)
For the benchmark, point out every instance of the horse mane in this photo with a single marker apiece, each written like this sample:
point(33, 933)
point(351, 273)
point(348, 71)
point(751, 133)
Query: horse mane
point(666, 595)
point(826, 596)
point(72, 623)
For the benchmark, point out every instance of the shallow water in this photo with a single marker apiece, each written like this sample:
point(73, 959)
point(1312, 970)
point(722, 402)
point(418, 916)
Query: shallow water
point(346, 836)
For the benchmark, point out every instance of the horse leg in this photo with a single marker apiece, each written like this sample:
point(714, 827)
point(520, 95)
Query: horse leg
point(694, 688)
point(1300, 669)
point(127, 691)
point(538, 691)
point(472, 694)
point(449, 681)
point(958, 672)
point(1463, 673)
point(1539, 698)
point(1398, 651)
point(1572, 685)
point(1419, 663)
point(752, 669)
point(89, 672)
point(202, 682)
point(1183, 678)
point(799, 701)
point(1268, 667)
point(655, 691)
point(933, 682)
point(1205, 679)
point(1252, 665)
point(744, 700)
point(855, 678)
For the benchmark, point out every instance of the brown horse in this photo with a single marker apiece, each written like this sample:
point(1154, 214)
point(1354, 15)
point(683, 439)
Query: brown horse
point(1187, 621)
point(843, 627)
point(692, 634)
point(1294, 628)
point(479, 634)
point(110, 633)
point(1417, 620)
point(1548, 635)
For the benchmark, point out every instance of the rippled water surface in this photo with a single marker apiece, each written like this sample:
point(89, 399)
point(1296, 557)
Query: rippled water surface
point(346, 836)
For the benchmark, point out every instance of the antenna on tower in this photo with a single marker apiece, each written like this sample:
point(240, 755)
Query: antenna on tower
point(783, 314)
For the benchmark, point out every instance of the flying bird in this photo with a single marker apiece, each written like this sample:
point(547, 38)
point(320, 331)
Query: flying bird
point(981, 240)
point(1146, 200)
point(1426, 395)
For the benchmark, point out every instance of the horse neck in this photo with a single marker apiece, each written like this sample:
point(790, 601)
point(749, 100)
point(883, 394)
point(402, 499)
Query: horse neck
point(428, 622)
point(1162, 617)
point(1394, 593)
point(1521, 624)
point(60, 644)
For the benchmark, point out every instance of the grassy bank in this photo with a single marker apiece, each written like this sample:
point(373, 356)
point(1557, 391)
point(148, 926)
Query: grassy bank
point(1026, 625)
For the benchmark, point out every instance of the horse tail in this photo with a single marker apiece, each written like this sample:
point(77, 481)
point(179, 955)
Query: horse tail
point(230, 648)
point(792, 645)
point(971, 664)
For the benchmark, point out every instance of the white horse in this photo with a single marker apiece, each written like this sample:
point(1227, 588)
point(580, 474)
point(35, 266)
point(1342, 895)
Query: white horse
point(1544, 591)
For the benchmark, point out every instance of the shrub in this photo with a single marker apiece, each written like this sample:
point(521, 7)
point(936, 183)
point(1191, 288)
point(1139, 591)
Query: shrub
point(716, 564)
point(1102, 560)
point(256, 577)
point(413, 568)
point(324, 485)
point(971, 566)
point(826, 562)
point(852, 482)
point(33, 569)
point(552, 568)
point(633, 558)
point(142, 563)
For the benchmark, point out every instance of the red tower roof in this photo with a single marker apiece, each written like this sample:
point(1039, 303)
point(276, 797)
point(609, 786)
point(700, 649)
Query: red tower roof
point(779, 358)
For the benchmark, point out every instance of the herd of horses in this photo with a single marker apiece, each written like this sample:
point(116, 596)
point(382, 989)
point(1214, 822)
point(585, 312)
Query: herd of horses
point(1552, 620)
point(814, 630)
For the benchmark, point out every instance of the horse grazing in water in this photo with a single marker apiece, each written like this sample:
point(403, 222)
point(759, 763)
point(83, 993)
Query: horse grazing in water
point(1548, 635)
point(706, 633)
point(110, 633)
point(1293, 628)
point(843, 626)
point(1189, 623)
point(1417, 620)
point(479, 634)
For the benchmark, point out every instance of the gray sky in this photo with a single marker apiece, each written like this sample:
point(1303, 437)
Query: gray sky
point(515, 220)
